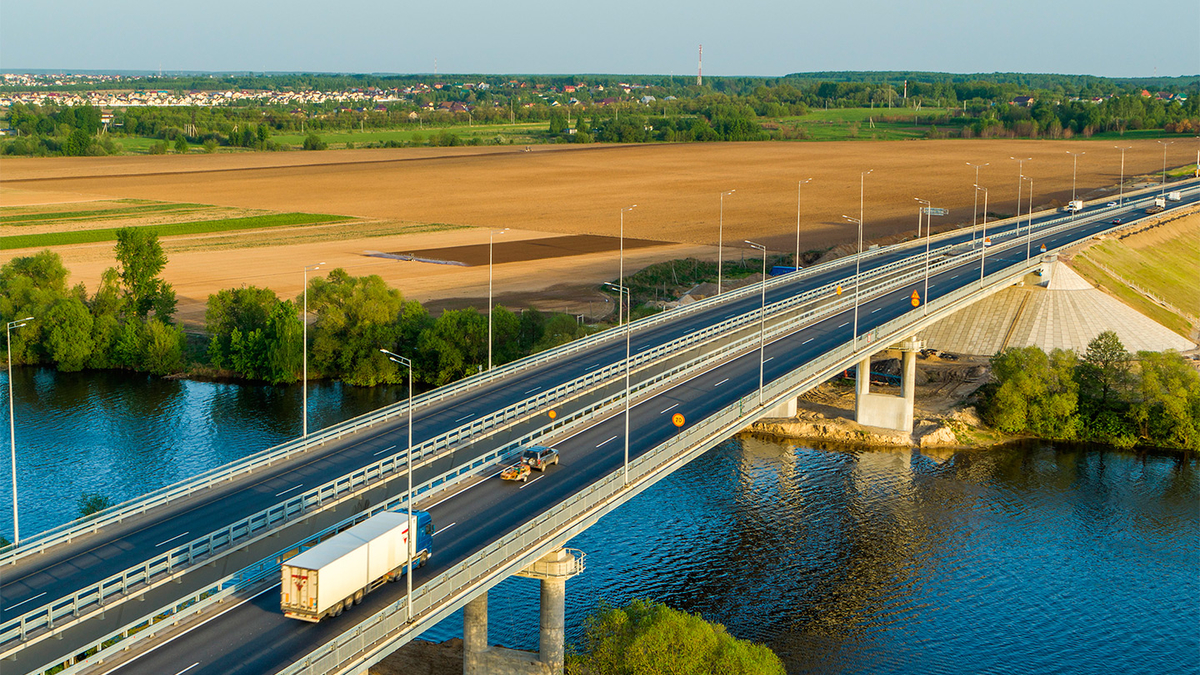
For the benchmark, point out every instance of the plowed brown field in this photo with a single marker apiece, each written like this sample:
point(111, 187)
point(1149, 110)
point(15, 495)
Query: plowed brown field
point(567, 190)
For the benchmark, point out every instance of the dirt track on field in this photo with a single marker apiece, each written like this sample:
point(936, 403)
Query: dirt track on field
point(561, 190)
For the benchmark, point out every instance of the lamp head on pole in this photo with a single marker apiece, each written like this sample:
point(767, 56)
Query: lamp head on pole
point(760, 247)
point(856, 221)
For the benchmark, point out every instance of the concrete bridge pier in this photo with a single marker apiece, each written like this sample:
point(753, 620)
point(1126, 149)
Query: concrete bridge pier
point(882, 410)
point(480, 658)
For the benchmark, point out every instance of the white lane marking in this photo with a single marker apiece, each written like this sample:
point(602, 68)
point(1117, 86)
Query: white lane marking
point(808, 340)
point(876, 310)
point(268, 589)
point(592, 366)
point(11, 607)
point(188, 668)
point(499, 470)
point(721, 382)
point(613, 438)
point(532, 390)
point(844, 325)
point(384, 450)
point(669, 409)
point(954, 277)
point(768, 358)
point(465, 417)
point(532, 482)
point(280, 494)
point(443, 529)
point(175, 537)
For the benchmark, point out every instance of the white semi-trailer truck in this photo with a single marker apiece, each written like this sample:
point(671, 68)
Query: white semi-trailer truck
point(335, 575)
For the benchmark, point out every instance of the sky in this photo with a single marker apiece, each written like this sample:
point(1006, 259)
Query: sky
point(749, 37)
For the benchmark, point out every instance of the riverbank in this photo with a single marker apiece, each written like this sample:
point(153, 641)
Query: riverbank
point(944, 414)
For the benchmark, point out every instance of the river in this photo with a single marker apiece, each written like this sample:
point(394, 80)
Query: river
point(1034, 558)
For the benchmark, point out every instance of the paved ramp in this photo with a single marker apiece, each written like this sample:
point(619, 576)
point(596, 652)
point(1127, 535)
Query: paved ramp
point(1066, 315)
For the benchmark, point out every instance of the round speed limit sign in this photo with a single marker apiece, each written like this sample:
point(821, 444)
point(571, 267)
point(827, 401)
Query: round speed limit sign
point(677, 419)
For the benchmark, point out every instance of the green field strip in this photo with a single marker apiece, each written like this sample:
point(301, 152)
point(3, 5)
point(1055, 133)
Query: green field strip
point(99, 214)
point(169, 230)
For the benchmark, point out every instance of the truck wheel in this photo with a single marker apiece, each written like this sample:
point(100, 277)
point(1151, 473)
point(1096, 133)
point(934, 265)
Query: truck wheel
point(336, 611)
point(347, 604)
point(358, 597)
point(424, 558)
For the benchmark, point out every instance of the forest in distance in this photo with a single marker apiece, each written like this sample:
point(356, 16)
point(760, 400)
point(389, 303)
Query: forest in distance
point(584, 109)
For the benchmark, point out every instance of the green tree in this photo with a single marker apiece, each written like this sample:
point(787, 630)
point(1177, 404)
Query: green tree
point(646, 638)
point(163, 346)
point(558, 123)
point(254, 333)
point(181, 144)
point(69, 334)
point(1035, 392)
point(30, 286)
point(90, 503)
point(314, 142)
point(140, 258)
point(1168, 412)
point(454, 346)
point(1104, 372)
point(356, 317)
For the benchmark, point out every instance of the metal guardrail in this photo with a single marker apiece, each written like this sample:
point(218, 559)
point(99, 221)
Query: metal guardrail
point(253, 574)
point(165, 564)
point(117, 513)
point(351, 647)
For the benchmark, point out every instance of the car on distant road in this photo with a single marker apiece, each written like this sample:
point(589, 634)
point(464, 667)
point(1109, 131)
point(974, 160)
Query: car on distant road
point(1116, 221)
point(1111, 204)
point(539, 457)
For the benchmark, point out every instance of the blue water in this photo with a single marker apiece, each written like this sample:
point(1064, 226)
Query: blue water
point(1032, 559)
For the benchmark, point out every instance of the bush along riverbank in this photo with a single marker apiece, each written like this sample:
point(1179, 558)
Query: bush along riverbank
point(1106, 395)
point(252, 334)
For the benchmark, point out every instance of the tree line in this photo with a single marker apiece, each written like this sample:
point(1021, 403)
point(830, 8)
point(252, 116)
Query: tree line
point(1108, 395)
point(251, 332)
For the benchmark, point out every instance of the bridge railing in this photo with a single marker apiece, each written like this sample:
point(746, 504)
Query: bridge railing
point(162, 566)
point(887, 332)
point(185, 488)
point(167, 564)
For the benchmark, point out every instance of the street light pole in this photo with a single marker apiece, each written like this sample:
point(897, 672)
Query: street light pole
point(304, 349)
point(621, 273)
point(1074, 173)
point(800, 185)
point(975, 211)
point(1121, 196)
point(1020, 175)
point(396, 358)
point(12, 430)
point(1164, 178)
point(762, 324)
point(491, 245)
point(858, 222)
point(721, 239)
point(1029, 224)
point(628, 329)
point(928, 229)
point(983, 241)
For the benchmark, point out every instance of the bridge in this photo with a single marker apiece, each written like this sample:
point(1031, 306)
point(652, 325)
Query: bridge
point(185, 579)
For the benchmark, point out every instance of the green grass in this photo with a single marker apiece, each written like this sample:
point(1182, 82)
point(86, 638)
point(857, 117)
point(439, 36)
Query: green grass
point(1168, 270)
point(844, 124)
point(525, 130)
point(168, 230)
point(96, 214)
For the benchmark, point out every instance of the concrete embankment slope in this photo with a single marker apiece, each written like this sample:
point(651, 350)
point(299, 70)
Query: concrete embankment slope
point(1067, 313)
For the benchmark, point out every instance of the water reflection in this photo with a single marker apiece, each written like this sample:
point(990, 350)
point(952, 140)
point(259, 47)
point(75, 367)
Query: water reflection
point(124, 434)
point(1035, 558)
point(1026, 559)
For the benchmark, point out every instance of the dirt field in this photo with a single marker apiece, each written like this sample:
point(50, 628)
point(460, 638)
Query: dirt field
point(572, 190)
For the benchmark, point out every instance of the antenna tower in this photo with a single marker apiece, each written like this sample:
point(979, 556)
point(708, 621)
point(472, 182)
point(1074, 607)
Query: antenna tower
point(700, 68)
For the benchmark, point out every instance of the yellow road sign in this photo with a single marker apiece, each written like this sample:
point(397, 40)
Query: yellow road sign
point(677, 419)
